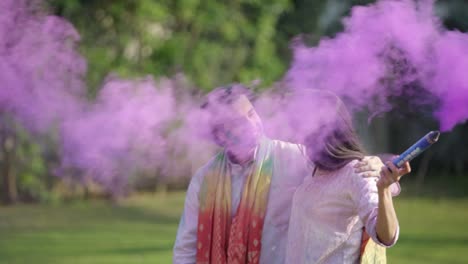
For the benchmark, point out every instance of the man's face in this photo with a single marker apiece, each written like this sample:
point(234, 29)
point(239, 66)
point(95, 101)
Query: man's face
point(238, 127)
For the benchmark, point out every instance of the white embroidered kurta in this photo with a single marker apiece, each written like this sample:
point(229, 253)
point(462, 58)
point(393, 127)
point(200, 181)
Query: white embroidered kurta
point(289, 169)
point(328, 214)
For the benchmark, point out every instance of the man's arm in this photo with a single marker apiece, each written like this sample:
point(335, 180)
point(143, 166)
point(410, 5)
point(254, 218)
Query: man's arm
point(185, 247)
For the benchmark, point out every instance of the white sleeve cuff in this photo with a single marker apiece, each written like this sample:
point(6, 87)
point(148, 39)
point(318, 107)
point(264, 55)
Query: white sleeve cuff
point(395, 189)
point(371, 229)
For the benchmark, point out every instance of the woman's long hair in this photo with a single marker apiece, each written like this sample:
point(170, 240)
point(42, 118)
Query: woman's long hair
point(336, 143)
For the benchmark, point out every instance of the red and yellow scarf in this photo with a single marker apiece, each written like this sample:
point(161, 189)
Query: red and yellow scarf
point(220, 240)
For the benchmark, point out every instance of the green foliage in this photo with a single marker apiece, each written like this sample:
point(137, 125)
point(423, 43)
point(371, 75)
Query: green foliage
point(454, 14)
point(30, 168)
point(212, 42)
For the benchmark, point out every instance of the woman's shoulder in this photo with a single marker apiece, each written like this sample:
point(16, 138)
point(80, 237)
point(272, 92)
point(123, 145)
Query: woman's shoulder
point(349, 167)
point(356, 181)
point(349, 172)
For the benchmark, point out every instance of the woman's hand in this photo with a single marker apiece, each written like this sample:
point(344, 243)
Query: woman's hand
point(369, 166)
point(390, 174)
point(387, 221)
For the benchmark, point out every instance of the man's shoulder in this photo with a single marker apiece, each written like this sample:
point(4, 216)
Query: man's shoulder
point(291, 164)
point(201, 171)
point(290, 155)
point(281, 145)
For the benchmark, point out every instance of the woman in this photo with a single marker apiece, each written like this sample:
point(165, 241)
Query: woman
point(335, 208)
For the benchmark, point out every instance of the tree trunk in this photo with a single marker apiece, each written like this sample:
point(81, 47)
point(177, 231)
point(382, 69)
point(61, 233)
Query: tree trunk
point(10, 193)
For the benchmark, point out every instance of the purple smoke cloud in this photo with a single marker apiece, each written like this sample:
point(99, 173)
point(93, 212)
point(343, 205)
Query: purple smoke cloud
point(385, 50)
point(40, 70)
point(134, 126)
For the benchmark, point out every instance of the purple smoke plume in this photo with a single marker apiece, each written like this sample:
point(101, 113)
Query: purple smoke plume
point(40, 70)
point(387, 49)
point(134, 126)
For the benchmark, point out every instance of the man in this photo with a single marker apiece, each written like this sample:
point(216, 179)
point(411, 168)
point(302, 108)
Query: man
point(238, 205)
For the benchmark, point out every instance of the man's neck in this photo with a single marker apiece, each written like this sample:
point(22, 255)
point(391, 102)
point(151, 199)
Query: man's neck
point(241, 160)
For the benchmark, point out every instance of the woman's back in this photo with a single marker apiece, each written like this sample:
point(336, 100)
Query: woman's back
point(328, 215)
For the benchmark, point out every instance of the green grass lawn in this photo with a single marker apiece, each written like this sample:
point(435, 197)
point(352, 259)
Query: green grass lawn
point(142, 230)
point(432, 231)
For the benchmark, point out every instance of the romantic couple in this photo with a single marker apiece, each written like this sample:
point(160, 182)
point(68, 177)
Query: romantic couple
point(268, 201)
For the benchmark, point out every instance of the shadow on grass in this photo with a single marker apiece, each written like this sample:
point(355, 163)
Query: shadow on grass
point(135, 214)
point(137, 250)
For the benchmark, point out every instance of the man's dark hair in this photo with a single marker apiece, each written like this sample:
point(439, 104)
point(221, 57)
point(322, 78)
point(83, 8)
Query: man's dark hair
point(226, 95)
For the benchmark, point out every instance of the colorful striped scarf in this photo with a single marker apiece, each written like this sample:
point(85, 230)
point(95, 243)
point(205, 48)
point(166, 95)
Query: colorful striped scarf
point(220, 240)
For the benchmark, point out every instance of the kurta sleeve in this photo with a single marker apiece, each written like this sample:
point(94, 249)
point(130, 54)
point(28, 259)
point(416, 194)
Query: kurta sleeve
point(366, 199)
point(185, 249)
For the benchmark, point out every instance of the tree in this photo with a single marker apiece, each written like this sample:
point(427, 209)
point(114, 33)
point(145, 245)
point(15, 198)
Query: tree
point(212, 42)
point(41, 77)
point(7, 157)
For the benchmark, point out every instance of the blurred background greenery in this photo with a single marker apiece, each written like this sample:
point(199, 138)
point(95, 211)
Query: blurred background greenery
point(212, 43)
